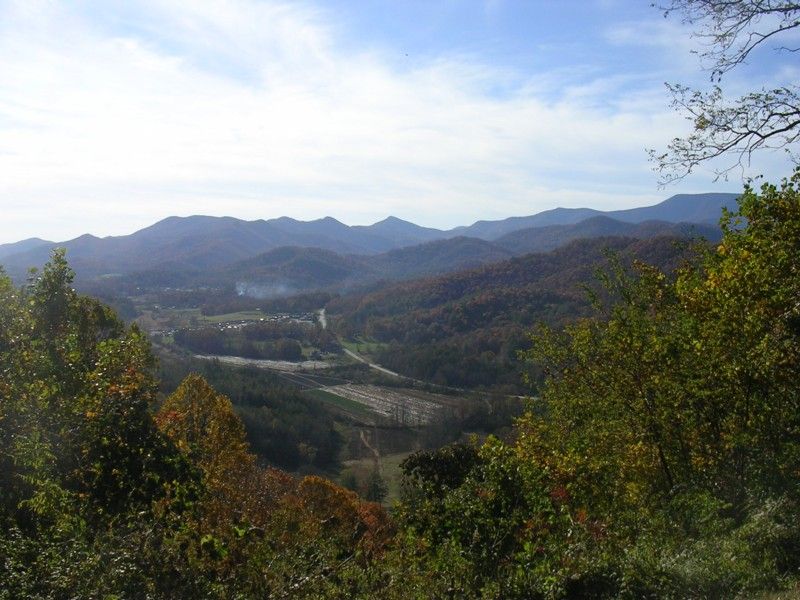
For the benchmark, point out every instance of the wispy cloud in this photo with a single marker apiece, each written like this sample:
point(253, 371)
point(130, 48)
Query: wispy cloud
point(110, 119)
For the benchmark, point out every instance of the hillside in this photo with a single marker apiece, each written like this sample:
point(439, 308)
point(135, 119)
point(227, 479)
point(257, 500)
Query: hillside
point(689, 208)
point(290, 269)
point(465, 329)
point(544, 239)
point(293, 269)
point(441, 256)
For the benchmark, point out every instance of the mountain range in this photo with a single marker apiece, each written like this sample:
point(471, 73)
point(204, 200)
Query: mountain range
point(222, 249)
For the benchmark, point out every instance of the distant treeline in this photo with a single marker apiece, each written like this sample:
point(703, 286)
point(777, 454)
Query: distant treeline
point(262, 340)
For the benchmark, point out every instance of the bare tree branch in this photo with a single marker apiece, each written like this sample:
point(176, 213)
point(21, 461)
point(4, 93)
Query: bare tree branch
point(765, 119)
point(732, 29)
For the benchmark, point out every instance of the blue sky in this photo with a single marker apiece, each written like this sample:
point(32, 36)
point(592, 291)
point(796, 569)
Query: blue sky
point(116, 114)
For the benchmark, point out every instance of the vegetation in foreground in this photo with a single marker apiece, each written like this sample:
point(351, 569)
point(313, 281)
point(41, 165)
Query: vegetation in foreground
point(661, 460)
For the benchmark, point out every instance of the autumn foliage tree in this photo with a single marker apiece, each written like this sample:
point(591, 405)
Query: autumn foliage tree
point(678, 410)
point(305, 529)
point(203, 426)
point(81, 457)
point(661, 458)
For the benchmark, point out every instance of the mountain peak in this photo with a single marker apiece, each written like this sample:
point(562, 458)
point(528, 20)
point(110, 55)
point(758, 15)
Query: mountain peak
point(392, 219)
point(328, 221)
point(23, 246)
point(86, 237)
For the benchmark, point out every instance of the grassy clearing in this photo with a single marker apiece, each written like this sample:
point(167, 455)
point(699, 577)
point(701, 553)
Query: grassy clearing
point(390, 464)
point(343, 403)
point(243, 315)
point(367, 347)
point(390, 470)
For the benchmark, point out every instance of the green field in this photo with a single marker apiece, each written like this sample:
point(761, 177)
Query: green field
point(390, 470)
point(343, 403)
point(244, 315)
point(367, 347)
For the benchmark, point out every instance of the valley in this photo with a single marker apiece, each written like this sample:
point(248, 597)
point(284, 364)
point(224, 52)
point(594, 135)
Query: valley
point(394, 336)
point(354, 395)
point(414, 384)
point(472, 300)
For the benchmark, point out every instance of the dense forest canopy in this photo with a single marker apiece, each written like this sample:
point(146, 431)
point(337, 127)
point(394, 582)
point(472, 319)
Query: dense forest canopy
point(661, 459)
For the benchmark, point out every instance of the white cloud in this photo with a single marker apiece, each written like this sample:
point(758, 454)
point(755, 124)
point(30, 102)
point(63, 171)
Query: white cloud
point(109, 121)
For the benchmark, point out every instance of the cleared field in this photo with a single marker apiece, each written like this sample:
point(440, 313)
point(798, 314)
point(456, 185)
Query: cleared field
point(314, 380)
point(347, 405)
point(245, 315)
point(389, 469)
point(401, 406)
point(261, 363)
point(360, 346)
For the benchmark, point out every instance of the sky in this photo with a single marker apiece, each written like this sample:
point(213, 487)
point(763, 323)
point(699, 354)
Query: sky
point(116, 114)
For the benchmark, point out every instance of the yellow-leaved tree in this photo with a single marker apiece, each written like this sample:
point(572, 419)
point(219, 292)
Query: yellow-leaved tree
point(203, 425)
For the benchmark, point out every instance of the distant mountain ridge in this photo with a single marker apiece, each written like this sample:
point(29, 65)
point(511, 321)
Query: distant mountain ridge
point(550, 237)
point(290, 270)
point(22, 246)
point(199, 243)
point(401, 233)
point(705, 209)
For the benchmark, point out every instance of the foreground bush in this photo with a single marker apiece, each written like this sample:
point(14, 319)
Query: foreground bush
point(662, 457)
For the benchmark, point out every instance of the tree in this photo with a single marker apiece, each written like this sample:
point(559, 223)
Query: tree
point(86, 479)
point(376, 487)
point(762, 119)
point(674, 416)
point(203, 425)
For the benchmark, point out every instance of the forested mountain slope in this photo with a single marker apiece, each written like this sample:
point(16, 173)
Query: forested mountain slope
point(465, 328)
point(294, 269)
point(550, 237)
point(22, 246)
